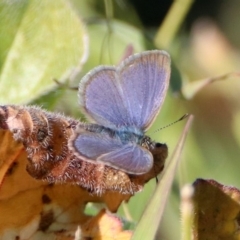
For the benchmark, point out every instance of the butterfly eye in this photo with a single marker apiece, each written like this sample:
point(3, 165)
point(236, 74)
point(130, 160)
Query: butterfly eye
point(159, 145)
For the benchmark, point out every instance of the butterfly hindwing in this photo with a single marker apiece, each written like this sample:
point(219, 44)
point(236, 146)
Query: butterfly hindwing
point(131, 158)
point(91, 145)
point(100, 147)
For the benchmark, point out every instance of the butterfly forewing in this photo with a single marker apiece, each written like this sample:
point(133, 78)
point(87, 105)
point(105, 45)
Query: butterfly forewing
point(144, 80)
point(101, 98)
point(129, 95)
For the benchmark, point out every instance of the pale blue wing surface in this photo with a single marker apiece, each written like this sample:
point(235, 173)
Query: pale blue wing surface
point(130, 95)
point(91, 145)
point(130, 158)
point(100, 147)
point(101, 97)
point(144, 81)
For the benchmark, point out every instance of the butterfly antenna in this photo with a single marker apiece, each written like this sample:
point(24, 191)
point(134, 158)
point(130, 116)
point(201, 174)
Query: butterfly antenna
point(180, 119)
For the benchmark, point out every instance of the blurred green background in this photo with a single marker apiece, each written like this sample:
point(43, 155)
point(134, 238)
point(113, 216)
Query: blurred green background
point(45, 40)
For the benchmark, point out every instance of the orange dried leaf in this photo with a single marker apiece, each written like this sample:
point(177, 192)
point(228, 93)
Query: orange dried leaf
point(30, 208)
point(11, 150)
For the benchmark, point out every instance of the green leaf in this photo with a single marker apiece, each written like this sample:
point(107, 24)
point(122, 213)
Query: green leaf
point(149, 222)
point(39, 41)
point(108, 42)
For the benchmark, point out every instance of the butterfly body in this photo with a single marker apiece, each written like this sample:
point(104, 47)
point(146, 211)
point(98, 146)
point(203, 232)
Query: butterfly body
point(124, 134)
point(123, 101)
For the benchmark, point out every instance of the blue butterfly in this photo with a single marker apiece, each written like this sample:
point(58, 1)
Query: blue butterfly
point(123, 102)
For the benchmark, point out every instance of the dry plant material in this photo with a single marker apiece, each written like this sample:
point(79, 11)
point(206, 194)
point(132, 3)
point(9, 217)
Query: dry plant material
point(216, 211)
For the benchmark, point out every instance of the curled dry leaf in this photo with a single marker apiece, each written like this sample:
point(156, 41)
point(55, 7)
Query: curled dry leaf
point(216, 211)
point(37, 141)
point(32, 209)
